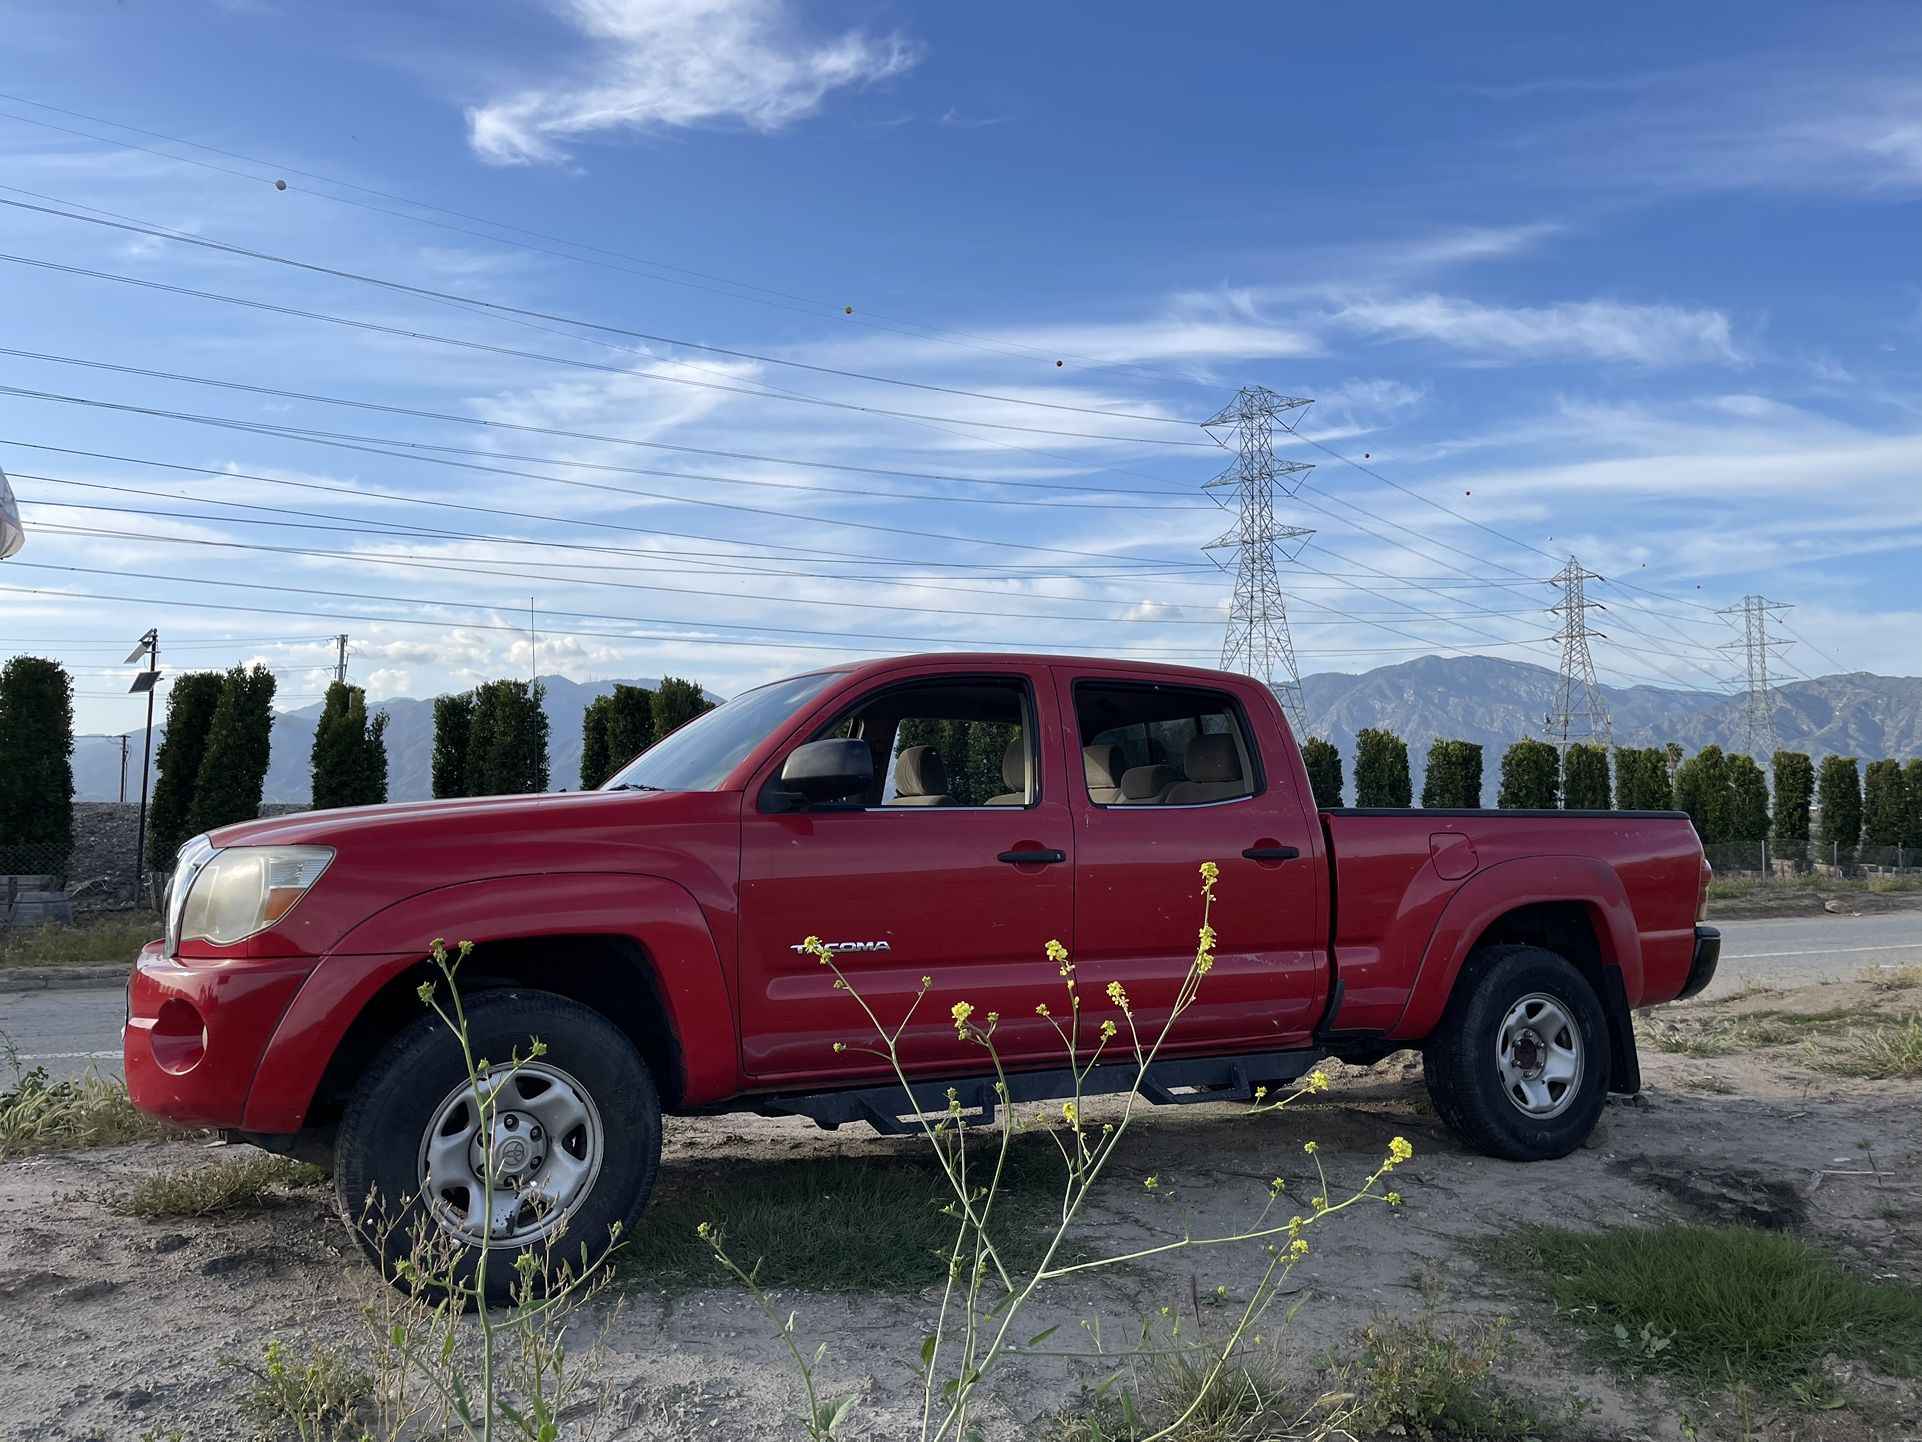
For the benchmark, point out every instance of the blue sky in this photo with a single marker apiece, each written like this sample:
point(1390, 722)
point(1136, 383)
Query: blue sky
point(1641, 285)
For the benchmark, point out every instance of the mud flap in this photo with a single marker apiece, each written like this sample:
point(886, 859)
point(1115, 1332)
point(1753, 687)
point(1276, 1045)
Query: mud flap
point(1624, 1062)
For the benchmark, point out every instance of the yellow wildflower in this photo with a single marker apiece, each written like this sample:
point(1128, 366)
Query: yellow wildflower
point(1393, 1199)
point(1042, 1010)
point(1210, 873)
point(1118, 995)
point(1108, 1030)
point(1400, 1150)
point(1318, 1081)
point(1298, 1247)
point(1152, 1183)
point(961, 1011)
point(840, 1046)
point(1057, 953)
point(1207, 938)
point(993, 1017)
point(927, 981)
point(1311, 1147)
point(813, 945)
point(1072, 1113)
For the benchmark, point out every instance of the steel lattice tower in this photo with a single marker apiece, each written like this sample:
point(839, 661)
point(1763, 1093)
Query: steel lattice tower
point(1580, 714)
point(1758, 710)
point(1258, 642)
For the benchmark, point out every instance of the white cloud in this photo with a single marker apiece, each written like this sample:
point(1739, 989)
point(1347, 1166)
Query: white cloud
point(667, 64)
point(389, 681)
point(1604, 330)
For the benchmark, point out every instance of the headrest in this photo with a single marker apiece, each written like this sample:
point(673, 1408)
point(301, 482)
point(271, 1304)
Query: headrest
point(1145, 783)
point(1103, 765)
point(918, 772)
point(1213, 758)
point(1014, 765)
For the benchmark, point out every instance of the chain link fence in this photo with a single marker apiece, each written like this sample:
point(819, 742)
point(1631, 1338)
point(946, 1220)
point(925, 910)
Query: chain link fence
point(1769, 861)
point(33, 884)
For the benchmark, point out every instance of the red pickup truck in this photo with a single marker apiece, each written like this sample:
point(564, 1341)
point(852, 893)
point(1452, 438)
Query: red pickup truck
point(938, 816)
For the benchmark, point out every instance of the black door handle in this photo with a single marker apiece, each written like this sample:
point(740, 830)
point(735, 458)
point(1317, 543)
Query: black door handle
point(1032, 858)
point(1272, 853)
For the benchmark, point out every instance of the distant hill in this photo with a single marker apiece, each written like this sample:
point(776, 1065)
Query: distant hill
point(1473, 698)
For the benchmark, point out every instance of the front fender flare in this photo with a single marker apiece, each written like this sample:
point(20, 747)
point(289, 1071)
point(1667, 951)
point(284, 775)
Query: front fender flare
point(659, 915)
point(1489, 895)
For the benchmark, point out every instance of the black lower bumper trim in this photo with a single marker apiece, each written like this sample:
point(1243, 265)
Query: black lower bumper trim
point(1708, 953)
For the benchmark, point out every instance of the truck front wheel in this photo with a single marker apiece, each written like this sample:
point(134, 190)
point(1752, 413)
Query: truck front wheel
point(573, 1136)
point(1518, 1065)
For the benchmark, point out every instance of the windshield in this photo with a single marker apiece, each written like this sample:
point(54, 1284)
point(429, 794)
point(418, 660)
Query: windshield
point(699, 755)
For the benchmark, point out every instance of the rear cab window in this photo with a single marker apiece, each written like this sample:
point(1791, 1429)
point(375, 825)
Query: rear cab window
point(1147, 744)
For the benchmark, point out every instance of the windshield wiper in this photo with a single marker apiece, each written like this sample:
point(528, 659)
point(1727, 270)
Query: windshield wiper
point(635, 786)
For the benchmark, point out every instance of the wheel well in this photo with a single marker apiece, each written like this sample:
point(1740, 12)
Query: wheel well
point(611, 974)
point(1563, 927)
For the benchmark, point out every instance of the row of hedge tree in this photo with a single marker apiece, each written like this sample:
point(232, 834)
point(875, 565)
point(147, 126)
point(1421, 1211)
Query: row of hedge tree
point(1725, 794)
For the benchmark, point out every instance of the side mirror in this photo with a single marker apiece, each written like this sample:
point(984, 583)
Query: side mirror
point(828, 771)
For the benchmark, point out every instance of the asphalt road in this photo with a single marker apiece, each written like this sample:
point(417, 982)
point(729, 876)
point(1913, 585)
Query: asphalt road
point(70, 1031)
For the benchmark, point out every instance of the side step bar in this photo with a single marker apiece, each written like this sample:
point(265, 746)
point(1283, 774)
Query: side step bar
point(895, 1110)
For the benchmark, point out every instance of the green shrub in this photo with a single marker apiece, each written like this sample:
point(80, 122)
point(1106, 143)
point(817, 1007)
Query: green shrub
point(1531, 777)
point(1324, 770)
point(1454, 775)
point(36, 766)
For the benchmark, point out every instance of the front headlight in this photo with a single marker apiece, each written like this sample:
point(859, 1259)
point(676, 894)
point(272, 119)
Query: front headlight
point(236, 893)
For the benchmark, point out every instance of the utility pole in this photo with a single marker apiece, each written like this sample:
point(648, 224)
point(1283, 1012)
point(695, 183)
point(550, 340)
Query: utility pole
point(340, 662)
point(149, 650)
point(1580, 714)
point(1258, 641)
point(123, 768)
point(1758, 709)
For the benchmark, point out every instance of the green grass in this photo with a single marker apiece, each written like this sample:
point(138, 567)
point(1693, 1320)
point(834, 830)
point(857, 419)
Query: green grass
point(1735, 888)
point(112, 936)
point(233, 1184)
point(39, 1115)
point(1749, 1031)
point(1417, 1379)
point(1717, 1305)
point(834, 1223)
point(1886, 1053)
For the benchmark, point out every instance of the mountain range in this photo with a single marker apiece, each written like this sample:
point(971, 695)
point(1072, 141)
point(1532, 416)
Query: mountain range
point(1470, 698)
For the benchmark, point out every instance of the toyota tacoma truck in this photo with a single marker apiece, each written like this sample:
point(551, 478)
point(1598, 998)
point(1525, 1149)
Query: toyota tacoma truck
point(931, 816)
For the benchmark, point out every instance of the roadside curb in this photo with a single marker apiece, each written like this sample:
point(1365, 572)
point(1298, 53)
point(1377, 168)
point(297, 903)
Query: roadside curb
point(63, 978)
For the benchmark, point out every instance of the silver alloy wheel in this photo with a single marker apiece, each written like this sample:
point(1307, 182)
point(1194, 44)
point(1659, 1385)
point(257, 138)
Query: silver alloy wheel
point(547, 1144)
point(1538, 1052)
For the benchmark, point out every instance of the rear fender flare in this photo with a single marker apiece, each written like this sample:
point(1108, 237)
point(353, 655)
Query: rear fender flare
point(660, 916)
point(1507, 886)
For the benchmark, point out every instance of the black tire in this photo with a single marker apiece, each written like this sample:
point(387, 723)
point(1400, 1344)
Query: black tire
point(377, 1159)
point(1462, 1060)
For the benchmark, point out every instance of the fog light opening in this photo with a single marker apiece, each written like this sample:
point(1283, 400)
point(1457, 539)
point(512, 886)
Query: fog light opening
point(179, 1036)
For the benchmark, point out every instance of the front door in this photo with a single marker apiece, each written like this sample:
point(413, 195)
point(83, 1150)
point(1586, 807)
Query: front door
point(959, 867)
point(1172, 776)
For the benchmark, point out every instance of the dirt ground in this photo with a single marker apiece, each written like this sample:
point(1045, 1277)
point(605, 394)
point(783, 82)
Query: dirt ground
point(112, 1328)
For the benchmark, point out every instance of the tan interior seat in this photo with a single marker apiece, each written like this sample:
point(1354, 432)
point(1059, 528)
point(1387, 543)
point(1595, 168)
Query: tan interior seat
point(1147, 785)
point(1103, 766)
point(1213, 764)
point(920, 778)
point(1014, 775)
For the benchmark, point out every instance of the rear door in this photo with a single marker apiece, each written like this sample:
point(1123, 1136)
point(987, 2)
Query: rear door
point(1194, 786)
point(959, 867)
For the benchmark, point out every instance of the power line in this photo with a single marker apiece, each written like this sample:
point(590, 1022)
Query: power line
point(501, 308)
point(777, 298)
point(1759, 700)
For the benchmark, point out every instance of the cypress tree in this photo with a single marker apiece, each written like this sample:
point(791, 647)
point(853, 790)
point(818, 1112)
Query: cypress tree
point(1748, 817)
point(239, 741)
point(453, 723)
point(1641, 779)
point(676, 703)
point(190, 712)
point(507, 743)
point(36, 766)
point(1885, 804)
point(1531, 777)
point(1794, 790)
point(1912, 781)
point(1703, 790)
point(1454, 775)
point(630, 724)
point(1841, 793)
point(1323, 761)
point(350, 752)
point(1585, 778)
point(1381, 769)
point(594, 751)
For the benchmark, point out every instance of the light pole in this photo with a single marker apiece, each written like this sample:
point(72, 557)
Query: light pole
point(149, 648)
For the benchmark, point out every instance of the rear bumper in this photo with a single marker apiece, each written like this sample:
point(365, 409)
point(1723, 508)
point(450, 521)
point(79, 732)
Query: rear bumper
point(1701, 970)
point(196, 1030)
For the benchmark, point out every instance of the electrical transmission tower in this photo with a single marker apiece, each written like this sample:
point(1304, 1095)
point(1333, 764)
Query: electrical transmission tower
point(1758, 711)
point(1580, 714)
point(1258, 642)
point(340, 662)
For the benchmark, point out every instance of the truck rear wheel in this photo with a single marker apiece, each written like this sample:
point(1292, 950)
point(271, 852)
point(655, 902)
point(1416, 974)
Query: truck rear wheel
point(575, 1142)
point(1518, 1065)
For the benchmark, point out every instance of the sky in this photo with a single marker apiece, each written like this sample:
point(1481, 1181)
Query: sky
point(728, 338)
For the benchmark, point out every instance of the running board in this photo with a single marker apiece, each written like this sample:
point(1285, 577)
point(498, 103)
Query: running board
point(896, 1110)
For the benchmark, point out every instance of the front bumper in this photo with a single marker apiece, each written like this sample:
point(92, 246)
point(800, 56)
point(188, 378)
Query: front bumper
point(1701, 970)
point(196, 1030)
